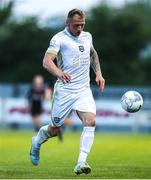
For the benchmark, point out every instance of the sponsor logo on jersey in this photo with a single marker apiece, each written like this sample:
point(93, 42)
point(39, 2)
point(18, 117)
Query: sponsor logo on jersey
point(81, 48)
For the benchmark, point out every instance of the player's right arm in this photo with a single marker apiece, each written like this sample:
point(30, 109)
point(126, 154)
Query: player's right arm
point(49, 65)
point(50, 55)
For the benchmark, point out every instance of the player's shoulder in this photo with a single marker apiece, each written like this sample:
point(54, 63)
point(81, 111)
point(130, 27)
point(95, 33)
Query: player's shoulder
point(59, 35)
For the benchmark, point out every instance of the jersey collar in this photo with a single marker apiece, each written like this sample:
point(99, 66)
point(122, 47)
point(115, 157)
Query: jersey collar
point(69, 34)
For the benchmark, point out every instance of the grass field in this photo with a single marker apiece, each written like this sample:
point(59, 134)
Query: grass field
point(115, 156)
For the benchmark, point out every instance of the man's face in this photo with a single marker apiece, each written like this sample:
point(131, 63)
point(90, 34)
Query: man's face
point(38, 82)
point(76, 25)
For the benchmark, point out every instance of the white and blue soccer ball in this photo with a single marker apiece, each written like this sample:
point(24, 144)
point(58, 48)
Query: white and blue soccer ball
point(131, 101)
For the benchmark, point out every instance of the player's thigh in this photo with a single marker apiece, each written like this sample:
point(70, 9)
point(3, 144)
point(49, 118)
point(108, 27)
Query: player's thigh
point(88, 118)
point(85, 102)
point(86, 108)
point(61, 107)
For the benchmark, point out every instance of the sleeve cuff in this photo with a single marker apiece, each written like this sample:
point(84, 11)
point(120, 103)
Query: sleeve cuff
point(52, 52)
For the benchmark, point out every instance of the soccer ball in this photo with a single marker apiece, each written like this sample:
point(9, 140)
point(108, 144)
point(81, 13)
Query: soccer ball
point(131, 101)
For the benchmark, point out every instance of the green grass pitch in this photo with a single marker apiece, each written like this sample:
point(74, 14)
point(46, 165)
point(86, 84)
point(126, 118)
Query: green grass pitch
point(118, 156)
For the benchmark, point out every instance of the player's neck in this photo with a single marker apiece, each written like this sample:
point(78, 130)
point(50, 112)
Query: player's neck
point(68, 30)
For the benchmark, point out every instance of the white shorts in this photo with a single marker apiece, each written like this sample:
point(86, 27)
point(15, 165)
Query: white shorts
point(66, 102)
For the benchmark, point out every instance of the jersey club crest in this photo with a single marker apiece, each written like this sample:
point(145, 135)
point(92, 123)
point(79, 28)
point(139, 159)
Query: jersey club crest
point(81, 48)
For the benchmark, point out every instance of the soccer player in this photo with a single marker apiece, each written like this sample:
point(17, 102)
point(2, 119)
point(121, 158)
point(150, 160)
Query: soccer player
point(35, 96)
point(75, 52)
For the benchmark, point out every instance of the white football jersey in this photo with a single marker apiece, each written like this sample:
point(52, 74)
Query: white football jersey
point(73, 57)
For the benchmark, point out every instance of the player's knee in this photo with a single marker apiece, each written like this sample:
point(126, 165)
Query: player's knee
point(90, 121)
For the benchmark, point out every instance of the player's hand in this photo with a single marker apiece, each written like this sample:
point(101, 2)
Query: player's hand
point(64, 77)
point(100, 82)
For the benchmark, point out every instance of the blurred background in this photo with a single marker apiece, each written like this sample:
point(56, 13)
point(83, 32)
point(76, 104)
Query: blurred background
point(121, 32)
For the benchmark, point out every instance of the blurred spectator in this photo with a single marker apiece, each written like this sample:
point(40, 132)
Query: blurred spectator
point(36, 95)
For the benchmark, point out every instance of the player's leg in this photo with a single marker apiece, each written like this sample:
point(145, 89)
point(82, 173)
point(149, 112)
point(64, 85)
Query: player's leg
point(86, 110)
point(60, 110)
point(60, 134)
point(86, 141)
point(42, 136)
point(35, 113)
point(36, 122)
point(67, 122)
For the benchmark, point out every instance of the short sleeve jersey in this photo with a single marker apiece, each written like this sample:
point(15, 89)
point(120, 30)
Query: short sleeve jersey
point(73, 57)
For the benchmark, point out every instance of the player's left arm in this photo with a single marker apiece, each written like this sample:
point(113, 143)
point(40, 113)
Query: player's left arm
point(95, 64)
